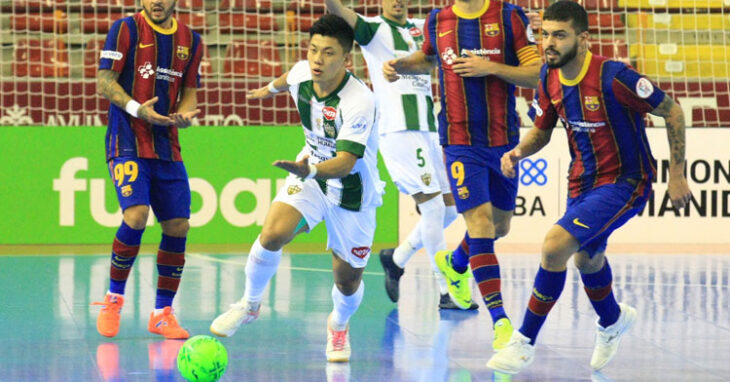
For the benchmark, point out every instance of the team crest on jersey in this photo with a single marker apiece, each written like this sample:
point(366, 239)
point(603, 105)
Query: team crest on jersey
point(463, 192)
point(644, 88)
point(183, 52)
point(426, 178)
point(361, 252)
point(491, 30)
point(591, 103)
point(127, 191)
point(294, 189)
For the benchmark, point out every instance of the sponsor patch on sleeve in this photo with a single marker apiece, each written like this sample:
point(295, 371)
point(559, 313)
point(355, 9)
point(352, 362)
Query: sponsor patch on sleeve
point(112, 55)
point(644, 88)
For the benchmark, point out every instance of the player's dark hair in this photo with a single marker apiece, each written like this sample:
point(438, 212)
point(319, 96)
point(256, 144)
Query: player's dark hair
point(567, 10)
point(330, 25)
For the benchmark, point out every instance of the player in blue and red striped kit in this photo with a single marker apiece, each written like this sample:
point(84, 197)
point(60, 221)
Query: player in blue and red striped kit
point(149, 70)
point(483, 48)
point(602, 104)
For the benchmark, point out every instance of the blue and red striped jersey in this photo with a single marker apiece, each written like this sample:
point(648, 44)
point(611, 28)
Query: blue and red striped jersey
point(603, 111)
point(151, 61)
point(478, 111)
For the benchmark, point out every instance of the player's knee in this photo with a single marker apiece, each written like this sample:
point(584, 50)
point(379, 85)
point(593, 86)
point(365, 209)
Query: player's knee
point(136, 218)
point(349, 287)
point(588, 265)
point(176, 227)
point(554, 252)
point(501, 229)
point(272, 239)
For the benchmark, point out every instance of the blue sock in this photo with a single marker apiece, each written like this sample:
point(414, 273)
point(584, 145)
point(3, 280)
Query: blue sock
point(460, 256)
point(170, 262)
point(545, 292)
point(598, 288)
point(124, 251)
point(485, 268)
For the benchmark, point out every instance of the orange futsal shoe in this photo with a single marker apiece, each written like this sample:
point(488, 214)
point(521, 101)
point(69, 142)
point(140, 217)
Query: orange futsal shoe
point(165, 324)
point(107, 323)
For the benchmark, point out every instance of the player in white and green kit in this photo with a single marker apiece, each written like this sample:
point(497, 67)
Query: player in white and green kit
point(334, 178)
point(408, 136)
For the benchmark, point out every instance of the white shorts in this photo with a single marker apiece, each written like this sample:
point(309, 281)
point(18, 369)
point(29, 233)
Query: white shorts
point(414, 160)
point(349, 233)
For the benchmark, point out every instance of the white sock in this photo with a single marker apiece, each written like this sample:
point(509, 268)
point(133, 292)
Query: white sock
point(158, 311)
point(414, 240)
point(345, 306)
point(432, 234)
point(405, 250)
point(114, 294)
point(260, 268)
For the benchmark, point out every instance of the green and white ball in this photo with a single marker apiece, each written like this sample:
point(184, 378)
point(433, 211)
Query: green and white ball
point(202, 359)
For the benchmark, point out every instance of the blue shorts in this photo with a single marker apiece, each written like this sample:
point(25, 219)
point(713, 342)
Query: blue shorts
point(161, 184)
point(592, 216)
point(476, 177)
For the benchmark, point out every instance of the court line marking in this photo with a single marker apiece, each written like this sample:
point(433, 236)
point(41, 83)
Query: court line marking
point(241, 263)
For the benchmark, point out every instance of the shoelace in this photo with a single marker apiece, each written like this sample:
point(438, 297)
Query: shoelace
point(107, 304)
point(338, 339)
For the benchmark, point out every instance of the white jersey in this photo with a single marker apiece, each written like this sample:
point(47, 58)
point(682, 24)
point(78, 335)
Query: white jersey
point(405, 104)
point(342, 121)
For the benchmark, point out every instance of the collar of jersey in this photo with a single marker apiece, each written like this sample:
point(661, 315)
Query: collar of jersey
point(473, 15)
point(579, 77)
point(393, 23)
point(337, 89)
point(157, 28)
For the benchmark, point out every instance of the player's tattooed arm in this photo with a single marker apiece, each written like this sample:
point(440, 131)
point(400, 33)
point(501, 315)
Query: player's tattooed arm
point(678, 188)
point(534, 140)
point(107, 86)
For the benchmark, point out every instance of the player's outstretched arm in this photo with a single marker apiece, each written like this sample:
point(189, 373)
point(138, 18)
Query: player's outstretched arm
point(415, 63)
point(335, 7)
point(186, 108)
point(474, 66)
point(335, 168)
point(276, 86)
point(677, 187)
point(534, 141)
point(107, 86)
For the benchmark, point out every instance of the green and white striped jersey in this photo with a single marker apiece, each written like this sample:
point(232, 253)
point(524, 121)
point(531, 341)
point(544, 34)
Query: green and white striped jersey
point(342, 121)
point(405, 104)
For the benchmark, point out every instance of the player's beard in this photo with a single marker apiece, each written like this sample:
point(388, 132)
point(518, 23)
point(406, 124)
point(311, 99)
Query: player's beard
point(167, 13)
point(563, 58)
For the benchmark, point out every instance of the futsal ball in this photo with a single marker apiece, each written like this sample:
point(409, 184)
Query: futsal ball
point(202, 359)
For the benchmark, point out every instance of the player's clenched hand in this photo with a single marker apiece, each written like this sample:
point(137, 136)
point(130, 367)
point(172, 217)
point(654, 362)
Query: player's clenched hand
point(260, 93)
point(509, 162)
point(535, 20)
point(299, 168)
point(472, 66)
point(147, 112)
point(389, 72)
point(678, 190)
point(183, 120)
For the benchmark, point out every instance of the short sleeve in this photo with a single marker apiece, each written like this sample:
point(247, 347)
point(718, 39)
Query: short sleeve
point(365, 30)
point(427, 47)
point(542, 111)
point(524, 39)
point(299, 73)
point(635, 91)
point(116, 47)
point(192, 75)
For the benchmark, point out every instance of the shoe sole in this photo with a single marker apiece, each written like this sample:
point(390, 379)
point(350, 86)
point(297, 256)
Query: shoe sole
point(494, 367)
point(338, 359)
point(631, 320)
point(217, 333)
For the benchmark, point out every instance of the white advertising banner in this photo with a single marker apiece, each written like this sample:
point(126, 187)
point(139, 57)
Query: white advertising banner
point(542, 195)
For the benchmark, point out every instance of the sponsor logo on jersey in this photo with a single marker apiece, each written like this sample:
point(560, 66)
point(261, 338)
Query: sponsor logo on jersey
point(491, 30)
point(426, 178)
point(415, 32)
point(361, 252)
point(463, 192)
point(127, 190)
point(145, 70)
point(536, 107)
point(644, 88)
point(294, 189)
point(591, 103)
point(481, 52)
point(448, 56)
point(329, 113)
point(183, 52)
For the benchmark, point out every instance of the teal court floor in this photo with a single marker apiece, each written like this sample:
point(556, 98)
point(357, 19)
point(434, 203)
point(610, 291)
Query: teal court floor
point(48, 327)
